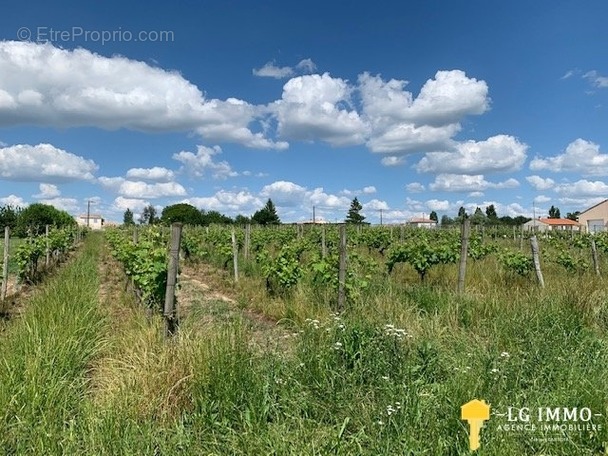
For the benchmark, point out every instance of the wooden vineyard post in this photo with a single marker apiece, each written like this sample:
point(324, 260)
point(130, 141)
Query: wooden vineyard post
point(47, 252)
point(235, 256)
point(247, 240)
point(342, 269)
point(535, 257)
point(169, 311)
point(464, 248)
point(596, 265)
point(521, 238)
point(323, 245)
point(7, 244)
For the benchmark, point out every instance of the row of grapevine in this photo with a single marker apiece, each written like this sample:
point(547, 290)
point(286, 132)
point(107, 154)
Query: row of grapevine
point(286, 256)
point(144, 258)
point(29, 253)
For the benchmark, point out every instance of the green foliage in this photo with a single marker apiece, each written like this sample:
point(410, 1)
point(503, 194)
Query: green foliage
point(283, 271)
point(127, 218)
point(491, 213)
point(148, 216)
point(267, 215)
point(145, 262)
point(571, 263)
point(182, 213)
point(9, 216)
point(433, 216)
point(354, 213)
point(423, 255)
point(242, 220)
point(32, 220)
point(554, 212)
point(28, 253)
point(516, 262)
point(215, 218)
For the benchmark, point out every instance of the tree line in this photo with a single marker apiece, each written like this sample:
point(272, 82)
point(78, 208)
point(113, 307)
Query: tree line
point(32, 220)
point(190, 215)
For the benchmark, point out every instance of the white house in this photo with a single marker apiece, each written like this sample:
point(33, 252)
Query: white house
point(422, 222)
point(595, 218)
point(95, 221)
point(551, 224)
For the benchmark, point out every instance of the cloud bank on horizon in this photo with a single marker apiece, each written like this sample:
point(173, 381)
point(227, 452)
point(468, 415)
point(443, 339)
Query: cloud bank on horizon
point(44, 86)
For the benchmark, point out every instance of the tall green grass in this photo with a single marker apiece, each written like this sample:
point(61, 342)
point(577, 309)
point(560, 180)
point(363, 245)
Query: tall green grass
point(44, 356)
point(387, 376)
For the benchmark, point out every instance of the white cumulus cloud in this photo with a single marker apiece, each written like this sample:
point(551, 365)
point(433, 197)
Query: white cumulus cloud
point(43, 162)
point(315, 107)
point(155, 174)
point(201, 163)
point(403, 123)
point(497, 153)
point(140, 190)
point(580, 156)
point(468, 183)
point(13, 200)
point(540, 183)
point(47, 191)
point(45, 85)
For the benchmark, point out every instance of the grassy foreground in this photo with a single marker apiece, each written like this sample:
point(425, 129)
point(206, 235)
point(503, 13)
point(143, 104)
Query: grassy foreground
point(84, 372)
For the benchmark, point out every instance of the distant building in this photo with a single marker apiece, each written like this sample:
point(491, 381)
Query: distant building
point(422, 222)
point(551, 224)
point(317, 221)
point(595, 218)
point(95, 221)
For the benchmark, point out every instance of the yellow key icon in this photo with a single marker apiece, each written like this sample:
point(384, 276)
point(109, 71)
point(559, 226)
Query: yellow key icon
point(475, 412)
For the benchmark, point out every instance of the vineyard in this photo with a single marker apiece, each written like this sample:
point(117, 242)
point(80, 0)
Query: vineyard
point(316, 340)
point(292, 261)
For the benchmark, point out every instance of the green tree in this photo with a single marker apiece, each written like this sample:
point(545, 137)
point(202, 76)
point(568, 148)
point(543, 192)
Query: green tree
point(433, 216)
point(478, 217)
point(462, 214)
point(127, 218)
point(267, 215)
point(242, 220)
point(520, 220)
point(554, 212)
point(354, 213)
point(445, 220)
point(148, 216)
point(491, 213)
point(9, 216)
point(34, 218)
point(183, 213)
point(216, 218)
point(573, 215)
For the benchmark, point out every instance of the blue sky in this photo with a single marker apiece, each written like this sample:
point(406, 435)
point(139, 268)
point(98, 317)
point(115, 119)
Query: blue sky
point(410, 106)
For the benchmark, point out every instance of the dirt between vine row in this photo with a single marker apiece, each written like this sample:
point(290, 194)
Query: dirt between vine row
point(203, 300)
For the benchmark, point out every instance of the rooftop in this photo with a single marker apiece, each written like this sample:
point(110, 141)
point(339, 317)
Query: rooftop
point(560, 221)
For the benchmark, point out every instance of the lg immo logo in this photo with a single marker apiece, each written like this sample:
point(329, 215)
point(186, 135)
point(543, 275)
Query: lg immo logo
point(476, 412)
point(548, 423)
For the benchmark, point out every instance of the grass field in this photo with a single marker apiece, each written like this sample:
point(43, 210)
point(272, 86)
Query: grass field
point(86, 372)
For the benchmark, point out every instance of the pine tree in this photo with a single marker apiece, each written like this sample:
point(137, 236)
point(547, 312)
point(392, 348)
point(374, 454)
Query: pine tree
point(148, 216)
point(554, 213)
point(433, 216)
point(354, 216)
point(127, 218)
point(491, 212)
point(267, 215)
